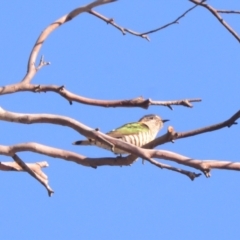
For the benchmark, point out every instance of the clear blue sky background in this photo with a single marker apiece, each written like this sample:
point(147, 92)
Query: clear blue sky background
point(196, 58)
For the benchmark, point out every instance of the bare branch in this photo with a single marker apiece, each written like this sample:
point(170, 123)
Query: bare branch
point(13, 166)
point(123, 30)
point(33, 169)
point(228, 123)
point(184, 102)
point(228, 11)
point(204, 166)
point(77, 158)
point(32, 69)
point(71, 97)
point(191, 175)
point(171, 135)
point(219, 18)
point(144, 34)
point(176, 21)
point(42, 178)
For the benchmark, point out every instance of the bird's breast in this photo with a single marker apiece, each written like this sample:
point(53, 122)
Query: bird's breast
point(138, 139)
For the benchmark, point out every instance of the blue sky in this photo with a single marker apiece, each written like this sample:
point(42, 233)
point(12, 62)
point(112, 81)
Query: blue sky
point(197, 58)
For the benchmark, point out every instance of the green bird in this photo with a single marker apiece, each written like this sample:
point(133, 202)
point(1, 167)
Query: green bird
point(136, 133)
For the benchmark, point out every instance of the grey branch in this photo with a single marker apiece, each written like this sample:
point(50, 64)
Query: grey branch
point(144, 34)
point(216, 12)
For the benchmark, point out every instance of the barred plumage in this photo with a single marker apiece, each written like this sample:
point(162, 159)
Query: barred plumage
point(138, 139)
point(137, 133)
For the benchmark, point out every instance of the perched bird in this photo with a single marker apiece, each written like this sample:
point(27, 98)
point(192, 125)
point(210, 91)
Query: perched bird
point(137, 133)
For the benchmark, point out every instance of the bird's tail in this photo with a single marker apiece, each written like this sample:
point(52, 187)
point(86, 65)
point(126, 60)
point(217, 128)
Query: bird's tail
point(82, 142)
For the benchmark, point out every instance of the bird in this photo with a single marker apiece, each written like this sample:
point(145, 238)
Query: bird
point(136, 133)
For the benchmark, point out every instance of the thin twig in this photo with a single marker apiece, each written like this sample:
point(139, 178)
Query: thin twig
point(228, 11)
point(171, 23)
point(191, 175)
point(144, 34)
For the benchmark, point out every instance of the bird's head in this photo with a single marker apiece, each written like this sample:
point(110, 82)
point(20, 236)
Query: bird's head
point(153, 121)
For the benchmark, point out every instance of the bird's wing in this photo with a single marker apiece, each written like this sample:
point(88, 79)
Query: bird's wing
point(128, 129)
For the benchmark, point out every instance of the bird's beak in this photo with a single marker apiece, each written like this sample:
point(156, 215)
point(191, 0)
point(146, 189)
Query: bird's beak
point(165, 120)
